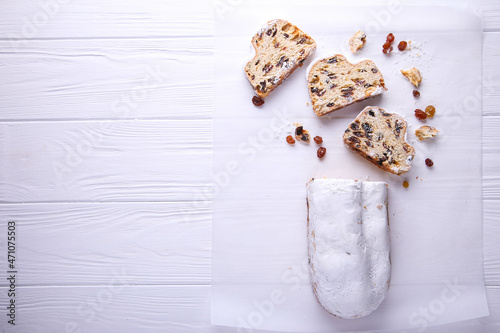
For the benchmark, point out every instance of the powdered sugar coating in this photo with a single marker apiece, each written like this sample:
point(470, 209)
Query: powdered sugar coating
point(348, 241)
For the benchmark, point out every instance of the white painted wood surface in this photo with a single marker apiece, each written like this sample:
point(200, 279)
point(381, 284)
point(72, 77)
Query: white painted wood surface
point(116, 228)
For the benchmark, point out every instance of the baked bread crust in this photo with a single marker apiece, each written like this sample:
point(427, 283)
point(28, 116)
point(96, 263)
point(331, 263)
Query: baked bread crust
point(335, 83)
point(379, 137)
point(280, 48)
point(348, 245)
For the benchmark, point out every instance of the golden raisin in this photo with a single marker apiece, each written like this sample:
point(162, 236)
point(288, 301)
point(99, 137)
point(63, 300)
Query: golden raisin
point(402, 45)
point(419, 114)
point(257, 101)
point(405, 184)
point(318, 140)
point(386, 45)
point(416, 93)
point(430, 111)
point(321, 152)
point(290, 140)
point(429, 162)
point(390, 38)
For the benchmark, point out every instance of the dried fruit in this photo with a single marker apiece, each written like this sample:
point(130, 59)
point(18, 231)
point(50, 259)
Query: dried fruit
point(386, 45)
point(402, 45)
point(257, 101)
point(416, 93)
point(302, 135)
point(419, 114)
point(290, 140)
point(390, 38)
point(321, 152)
point(430, 111)
point(429, 162)
point(318, 140)
point(405, 184)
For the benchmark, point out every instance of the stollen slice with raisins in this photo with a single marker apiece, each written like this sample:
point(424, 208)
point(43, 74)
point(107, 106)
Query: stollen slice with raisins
point(280, 48)
point(379, 137)
point(335, 83)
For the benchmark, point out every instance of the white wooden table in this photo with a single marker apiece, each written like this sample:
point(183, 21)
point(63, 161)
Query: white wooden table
point(105, 147)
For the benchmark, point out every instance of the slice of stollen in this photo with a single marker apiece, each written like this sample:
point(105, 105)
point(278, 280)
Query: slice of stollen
point(335, 83)
point(379, 137)
point(280, 48)
point(348, 245)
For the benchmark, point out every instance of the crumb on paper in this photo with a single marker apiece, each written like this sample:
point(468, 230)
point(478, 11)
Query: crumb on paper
point(379, 206)
point(426, 132)
point(413, 75)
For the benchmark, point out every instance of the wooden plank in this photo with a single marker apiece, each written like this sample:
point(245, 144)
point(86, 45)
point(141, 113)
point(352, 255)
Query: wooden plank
point(107, 79)
point(115, 307)
point(167, 160)
point(85, 244)
point(114, 19)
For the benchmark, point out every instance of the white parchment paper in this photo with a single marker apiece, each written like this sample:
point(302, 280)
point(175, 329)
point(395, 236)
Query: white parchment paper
point(260, 269)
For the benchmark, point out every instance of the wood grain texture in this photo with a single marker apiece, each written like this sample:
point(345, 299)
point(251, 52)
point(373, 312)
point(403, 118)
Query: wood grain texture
point(86, 244)
point(115, 307)
point(165, 78)
point(105, 161)
point(116, 19)
point(119, 239)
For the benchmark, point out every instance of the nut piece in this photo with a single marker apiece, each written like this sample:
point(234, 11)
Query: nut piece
point(357, 41)
point(413, 75)
point(426, 132)
point(302, 135)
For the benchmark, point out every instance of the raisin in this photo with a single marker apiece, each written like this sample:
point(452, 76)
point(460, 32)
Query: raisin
point(257, 62)
point(321, 152)
point(390, 38)
point(286, 35)
point(367, 127)
point(371, 113)
point(405, 184)
point(362, 70)
point(299, 130)
point(257, 101)
point(276, 45)
point(416, 93)
point(301, 41)
point(280, 62)
point(353, 139)
point(332, 60)
point(329, 105)
point(318, 140)
point(429, 162)
point(333, 86)
point(368, 143)
point(419, 114)
point(358, 134)
point(402, 45)
point(355, 126)
point(263, 84)
point(374, 70)
point(386, 45)
point(385, 51)
point(332, 76)
point(430, 111)
point(367, 85)
point(290, 140)
point(267, 68)
point(314, 89)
